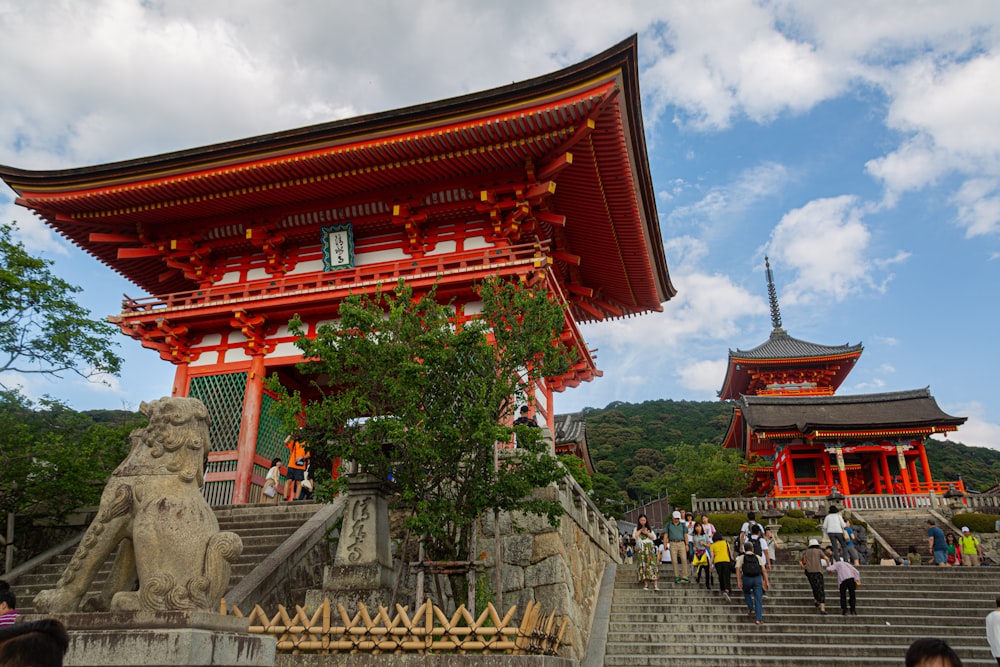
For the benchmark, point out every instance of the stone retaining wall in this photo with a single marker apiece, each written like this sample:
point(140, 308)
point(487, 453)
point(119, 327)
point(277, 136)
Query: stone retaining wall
point(559, 567)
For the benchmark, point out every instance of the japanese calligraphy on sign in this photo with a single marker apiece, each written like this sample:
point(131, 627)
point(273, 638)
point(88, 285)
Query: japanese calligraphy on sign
point(338, 246)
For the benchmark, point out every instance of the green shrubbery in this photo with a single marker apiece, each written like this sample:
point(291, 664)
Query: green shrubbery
point(977, 523)
point(728, 524)
point(794, 523)
point(791, 525)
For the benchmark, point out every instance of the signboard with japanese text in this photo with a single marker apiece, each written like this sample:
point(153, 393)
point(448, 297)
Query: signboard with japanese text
point(338, 246)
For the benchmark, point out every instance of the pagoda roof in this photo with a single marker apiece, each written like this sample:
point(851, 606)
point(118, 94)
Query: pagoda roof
point(780, 349)
point(816, 415)
point(781, 346)
point(571, 435)
point(579, 128)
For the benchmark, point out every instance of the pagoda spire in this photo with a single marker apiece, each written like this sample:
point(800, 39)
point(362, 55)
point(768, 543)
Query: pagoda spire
point(772, 296)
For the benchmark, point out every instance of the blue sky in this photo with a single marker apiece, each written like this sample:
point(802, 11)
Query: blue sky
point(857, 144)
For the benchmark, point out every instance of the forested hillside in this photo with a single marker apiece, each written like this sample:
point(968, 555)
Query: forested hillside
point(643, 450)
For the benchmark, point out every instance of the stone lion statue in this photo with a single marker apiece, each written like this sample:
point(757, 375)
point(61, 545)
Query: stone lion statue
point(153, 512)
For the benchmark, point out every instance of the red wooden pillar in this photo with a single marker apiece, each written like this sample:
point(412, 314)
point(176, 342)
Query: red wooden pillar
point(873, 464)
point(827, 470)
point(903, 470)
point(180, 387)
point(924, 463)
point(842, 472)
point(886, 474)
point(914, 477)
point(790, 469)
point(246, 447)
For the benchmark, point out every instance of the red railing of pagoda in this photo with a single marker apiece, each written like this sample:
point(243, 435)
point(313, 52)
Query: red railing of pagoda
point(484, 262)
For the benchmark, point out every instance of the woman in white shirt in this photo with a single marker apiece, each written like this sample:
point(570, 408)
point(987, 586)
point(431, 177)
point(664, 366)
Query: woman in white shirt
point(834, 528)
point(271, 481)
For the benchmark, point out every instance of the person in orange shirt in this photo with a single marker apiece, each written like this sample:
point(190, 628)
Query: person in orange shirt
point(298, 460)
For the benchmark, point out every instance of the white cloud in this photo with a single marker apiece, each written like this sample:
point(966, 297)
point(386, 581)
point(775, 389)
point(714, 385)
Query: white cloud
point(30, 231)
point(707, 307)
point(703, 376)
point(887, 340)
point(828, 245)
point(978, 202)
point(717, 60)
point(977, 431)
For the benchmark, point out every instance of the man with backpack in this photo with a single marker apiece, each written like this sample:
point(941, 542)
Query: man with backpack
point(752, 578)
point(745, 531)
point(972, 551)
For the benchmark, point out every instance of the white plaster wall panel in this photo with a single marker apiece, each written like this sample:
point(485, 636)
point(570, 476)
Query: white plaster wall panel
point(235, 354)
point(209, 340)
point(257, 274)
point(308, 266)
point(228, 278)
point(443, 248)
point(206, 359)
point(379, 256)
point(473, 308)
point(477, 242)
point(287, 349)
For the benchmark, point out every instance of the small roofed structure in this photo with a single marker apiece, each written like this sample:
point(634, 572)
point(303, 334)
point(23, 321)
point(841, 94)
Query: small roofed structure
point(571, 437)
point(800, 439)
point(867, 443)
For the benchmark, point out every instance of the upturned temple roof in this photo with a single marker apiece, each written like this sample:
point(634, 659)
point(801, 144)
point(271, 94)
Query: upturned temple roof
point(458, 159)
point(782, 346)
point(863, 412)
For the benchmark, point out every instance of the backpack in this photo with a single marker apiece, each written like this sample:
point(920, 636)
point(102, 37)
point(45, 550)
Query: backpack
point(751, 566)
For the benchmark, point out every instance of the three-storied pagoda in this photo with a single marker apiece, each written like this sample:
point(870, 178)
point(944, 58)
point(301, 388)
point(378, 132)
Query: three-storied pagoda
point(802, 440)
point(545, 181)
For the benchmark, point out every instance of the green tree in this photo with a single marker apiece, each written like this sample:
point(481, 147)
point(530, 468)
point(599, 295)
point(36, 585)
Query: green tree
point(608, 497)
point(574, 464)
point(53, 459)
point(706, 470)
point(407, 395)
point(42, 328)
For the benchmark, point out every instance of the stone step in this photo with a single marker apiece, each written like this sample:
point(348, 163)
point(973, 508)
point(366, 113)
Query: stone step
point(688, 659)
point(262, 528)
point(762, 645)
point(790, 631)
point(895, 607)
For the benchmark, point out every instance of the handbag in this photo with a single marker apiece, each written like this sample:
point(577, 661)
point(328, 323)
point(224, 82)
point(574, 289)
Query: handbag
point(270, 491)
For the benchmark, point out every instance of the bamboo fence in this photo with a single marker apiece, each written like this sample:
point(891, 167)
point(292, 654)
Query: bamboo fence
point(428, 630)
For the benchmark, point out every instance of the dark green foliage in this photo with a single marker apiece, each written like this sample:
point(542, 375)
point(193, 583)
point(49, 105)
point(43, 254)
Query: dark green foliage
point(43, 330)
point(576, 468)
point(54, 459)
point(793, 526)
point(605, 493)
point(654, 447)
point(647, 449)
point(979, 467)
point(424, 404)
point(795, 514)
point(728, 524)
point(977, 523)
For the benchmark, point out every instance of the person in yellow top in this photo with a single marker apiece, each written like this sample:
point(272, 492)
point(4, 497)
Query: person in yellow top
point(972, 551)
point(723, 562)
point(298, 460)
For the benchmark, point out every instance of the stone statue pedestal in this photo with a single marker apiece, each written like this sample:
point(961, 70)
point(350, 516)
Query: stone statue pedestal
point(167, 639)
point(362, 569)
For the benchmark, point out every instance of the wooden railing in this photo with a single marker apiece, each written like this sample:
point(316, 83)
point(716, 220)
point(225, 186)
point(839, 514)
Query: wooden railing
point(428, 630)
point(819, 505)
point(307, 285)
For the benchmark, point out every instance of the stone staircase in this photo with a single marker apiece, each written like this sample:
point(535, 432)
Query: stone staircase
point(261, 527)
point(903, 529)
point(683, 625)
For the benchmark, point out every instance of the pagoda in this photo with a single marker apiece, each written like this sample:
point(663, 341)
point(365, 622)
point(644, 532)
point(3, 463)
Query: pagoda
point(800, 439)
point(545, 182)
